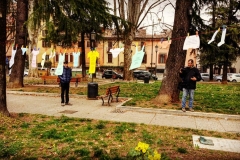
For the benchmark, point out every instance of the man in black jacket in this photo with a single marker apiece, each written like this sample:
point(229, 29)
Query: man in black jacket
point(65, 79)
point(189, 76)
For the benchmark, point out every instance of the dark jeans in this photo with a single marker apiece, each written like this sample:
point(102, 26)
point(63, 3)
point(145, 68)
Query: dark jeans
point(65, 89)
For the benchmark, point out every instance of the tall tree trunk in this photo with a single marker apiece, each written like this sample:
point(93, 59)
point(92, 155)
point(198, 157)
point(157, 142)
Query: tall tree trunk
point(83, 55)
point(128, 39)
point(134, 11)
point(214, 4)
point(114, 7)
point(3, 99)
point(225, 64)
point(176, 58)
point(33, 37)
point(16, 77)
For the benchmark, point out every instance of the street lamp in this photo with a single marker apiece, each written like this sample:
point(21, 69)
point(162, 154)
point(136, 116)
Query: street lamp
point(92, 39)
point(156, 50)
point(152, 47)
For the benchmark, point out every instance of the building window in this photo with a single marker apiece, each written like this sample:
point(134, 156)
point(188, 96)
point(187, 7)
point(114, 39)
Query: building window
point(109, 57)
point(162, 58)
point(79, 44)
point(66, 57)
point(71, 58)
point(88, 43)
point(47, 58)
point(46, 44)
point(142, 43)
point(109, 45)
point(44, 33)
point(56, 57)
point(144, 59)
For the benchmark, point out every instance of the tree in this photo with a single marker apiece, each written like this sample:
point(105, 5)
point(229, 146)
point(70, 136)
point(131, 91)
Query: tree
point(231, 46)
point(33, 33)
point(222, 14)
point(16, 77)
point(176, 57)
point(136, 12)
point(66, 20)
point(3, 99)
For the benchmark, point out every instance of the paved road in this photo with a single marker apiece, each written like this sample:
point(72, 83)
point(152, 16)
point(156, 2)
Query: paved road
point(49, 104)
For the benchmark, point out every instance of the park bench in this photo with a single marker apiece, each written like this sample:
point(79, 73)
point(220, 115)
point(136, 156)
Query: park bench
point(45, 78)
point(83, 78)
point(110, 92)
point(73, 79)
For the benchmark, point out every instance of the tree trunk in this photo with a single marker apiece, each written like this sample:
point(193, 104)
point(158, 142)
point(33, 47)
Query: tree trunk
point(33, 37)
point(3, 99)
point(211, 72)
point(16, 77)
point(176, 58)
point(134, 11)
point(83, 55)
point(225, 64)
point(214, 4)
point(128, 39)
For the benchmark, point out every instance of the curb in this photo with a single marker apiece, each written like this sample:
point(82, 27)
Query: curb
point(180, 113)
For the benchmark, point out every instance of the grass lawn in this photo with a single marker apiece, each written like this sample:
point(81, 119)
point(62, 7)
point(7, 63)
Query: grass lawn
point(36, 137)
point(30, 136)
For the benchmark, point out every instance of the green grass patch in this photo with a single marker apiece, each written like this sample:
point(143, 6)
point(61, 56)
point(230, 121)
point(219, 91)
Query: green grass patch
point(47, 137)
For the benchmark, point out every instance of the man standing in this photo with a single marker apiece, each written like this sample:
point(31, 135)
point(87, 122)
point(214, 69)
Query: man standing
point(65, 79)
point(189, 76)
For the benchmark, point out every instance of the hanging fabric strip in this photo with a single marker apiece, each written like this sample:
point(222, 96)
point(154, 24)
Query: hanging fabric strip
point(213, 37)
point(223, 37)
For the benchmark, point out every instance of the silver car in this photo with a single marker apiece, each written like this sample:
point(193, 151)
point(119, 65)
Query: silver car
point(218, 78)
point(205, 76)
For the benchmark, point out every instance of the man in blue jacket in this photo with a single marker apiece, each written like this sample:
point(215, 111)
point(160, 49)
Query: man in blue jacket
point(65, 79)
point(190, 75)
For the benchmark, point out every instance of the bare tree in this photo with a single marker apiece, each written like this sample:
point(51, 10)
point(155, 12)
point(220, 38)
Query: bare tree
point(137, 10)
point(3, 101)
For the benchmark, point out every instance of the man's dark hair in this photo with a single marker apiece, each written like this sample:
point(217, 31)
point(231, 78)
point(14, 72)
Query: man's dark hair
point(191, 60)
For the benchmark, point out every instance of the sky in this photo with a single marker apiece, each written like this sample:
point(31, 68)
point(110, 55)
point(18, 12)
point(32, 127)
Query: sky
point(167, 17)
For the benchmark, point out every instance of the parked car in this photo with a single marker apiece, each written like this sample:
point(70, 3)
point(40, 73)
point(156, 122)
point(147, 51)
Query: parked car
point(218, 78)
point(140, 74)
point(205, 76)
point(234, 77)
point(111, 74)
point(136, 73)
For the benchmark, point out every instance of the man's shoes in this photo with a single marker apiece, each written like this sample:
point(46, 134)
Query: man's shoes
point(62, 104)
point(191, 109)
point(183, 109)
point(68, 104)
